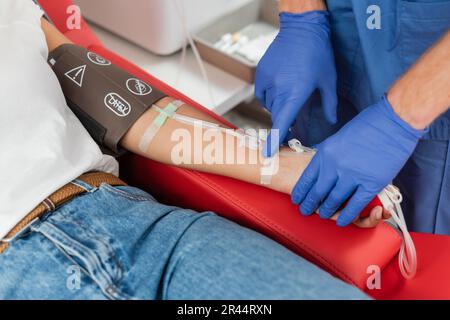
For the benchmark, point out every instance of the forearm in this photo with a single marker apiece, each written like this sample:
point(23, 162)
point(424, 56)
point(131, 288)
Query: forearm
point(230, 158)
point(224, 160)
point(423, 93)
point(162, 146)
point(300, 6)
point(52, 35)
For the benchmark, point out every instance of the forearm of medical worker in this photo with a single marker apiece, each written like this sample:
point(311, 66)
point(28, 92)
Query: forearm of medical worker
point(300, 6)
point(423, 93)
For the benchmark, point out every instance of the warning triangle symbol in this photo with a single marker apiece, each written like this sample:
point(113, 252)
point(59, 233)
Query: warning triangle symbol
point(77, 75)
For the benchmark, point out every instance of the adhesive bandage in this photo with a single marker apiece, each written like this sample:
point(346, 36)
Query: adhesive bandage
point(297, 146)
point(269, 169)
point(161, 119)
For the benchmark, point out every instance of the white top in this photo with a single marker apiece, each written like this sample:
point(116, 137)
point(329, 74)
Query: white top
point(43, 146)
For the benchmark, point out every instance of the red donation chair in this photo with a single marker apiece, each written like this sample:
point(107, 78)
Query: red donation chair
point(347, 253)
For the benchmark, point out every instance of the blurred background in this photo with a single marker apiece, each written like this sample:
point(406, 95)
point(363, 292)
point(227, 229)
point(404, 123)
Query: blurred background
point(206, 49)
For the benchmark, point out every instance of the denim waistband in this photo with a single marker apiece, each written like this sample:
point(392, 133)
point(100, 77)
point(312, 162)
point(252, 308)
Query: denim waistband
point(88, 182)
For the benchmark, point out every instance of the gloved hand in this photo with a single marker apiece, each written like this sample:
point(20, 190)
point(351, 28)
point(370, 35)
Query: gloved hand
point(299, 61)
point(358, 162)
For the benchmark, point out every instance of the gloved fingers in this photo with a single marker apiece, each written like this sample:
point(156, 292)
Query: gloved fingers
point(354, 207)
point(280, 129)
point(260, 90)
point(260, 84)
point(260, 94)
point(306, 181)
point(340, 193)
point(270, 98)
point(328, 92)
point(284, 113)
point(368, 222)
point(317, 194)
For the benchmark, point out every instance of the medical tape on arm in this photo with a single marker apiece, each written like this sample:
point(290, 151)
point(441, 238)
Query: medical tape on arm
point(268, 169)
point(299, 149)
point(164, 114)
point(170, 112)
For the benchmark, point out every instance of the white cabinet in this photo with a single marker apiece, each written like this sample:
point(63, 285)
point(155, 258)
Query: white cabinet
point(155, 24)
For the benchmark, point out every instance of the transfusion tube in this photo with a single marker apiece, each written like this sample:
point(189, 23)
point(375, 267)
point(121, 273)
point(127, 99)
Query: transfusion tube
point(169, 112)
point(407, 259)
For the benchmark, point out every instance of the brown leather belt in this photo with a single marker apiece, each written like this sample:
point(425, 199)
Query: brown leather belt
point(60, 197)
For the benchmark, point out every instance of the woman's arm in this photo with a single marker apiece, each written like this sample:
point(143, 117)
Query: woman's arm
point(224, 160)
point(161, 147)
point(52, 35)
point(291, 164)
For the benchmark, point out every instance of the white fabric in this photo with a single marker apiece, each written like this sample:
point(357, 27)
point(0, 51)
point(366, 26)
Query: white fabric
point(43, 146)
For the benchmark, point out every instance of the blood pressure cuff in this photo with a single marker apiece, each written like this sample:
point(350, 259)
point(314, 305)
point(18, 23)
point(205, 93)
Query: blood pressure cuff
point(106, 99)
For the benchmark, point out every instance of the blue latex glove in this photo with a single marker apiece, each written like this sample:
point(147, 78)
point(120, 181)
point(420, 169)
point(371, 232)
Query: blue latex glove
point(358, 162)
point(299, 61)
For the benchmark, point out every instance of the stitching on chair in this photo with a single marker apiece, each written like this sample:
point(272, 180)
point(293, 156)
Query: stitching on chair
point(268, 223)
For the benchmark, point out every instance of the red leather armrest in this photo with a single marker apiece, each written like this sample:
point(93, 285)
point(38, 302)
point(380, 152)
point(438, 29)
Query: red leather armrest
point(57, 12)
point(345, 252)
point(433, 276)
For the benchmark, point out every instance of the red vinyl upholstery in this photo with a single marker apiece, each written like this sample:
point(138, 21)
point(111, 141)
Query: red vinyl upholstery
point(345, 252)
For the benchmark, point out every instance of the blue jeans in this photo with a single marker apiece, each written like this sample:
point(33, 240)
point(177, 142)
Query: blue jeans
point(119, 243)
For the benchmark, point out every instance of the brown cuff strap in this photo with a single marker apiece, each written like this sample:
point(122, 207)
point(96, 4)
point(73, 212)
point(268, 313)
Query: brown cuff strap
point(106, 99)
